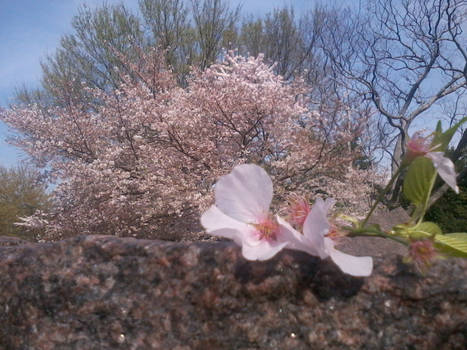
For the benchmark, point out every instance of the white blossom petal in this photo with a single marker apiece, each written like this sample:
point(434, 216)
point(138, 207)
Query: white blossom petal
point(241, 213)
point(359, 266)
point(445, 168)
point(287, 232)
point(218, 224)
point(250, 236)
point(245, 194)
point(316, 225)
point(296, 240)
point(263, 251)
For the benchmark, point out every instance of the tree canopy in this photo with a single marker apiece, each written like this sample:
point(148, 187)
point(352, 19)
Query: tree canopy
point(22, 194)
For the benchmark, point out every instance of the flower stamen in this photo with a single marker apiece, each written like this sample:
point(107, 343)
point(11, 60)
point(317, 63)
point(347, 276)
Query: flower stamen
point(418, 146)
point(297, 211)
point(335, 233)
point(268, 228)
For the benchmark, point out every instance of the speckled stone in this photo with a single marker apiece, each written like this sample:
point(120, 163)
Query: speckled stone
point(7, 241)
point(104, 292)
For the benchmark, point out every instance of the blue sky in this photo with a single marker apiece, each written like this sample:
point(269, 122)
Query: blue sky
point(31, 29)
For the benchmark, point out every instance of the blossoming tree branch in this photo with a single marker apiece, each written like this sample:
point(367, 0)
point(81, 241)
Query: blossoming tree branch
point(242, 213)
point(137, 159)
point(127, 160)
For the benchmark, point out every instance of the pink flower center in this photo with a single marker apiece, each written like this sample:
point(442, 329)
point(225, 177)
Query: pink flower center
point(417, 146)
point(267, 228)
point(334, 233)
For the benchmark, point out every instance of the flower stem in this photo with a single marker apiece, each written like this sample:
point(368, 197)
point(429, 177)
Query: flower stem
point(372, 232)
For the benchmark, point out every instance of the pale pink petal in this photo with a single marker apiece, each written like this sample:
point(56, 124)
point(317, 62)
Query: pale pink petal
point(296, 240)
point(328, 204)
point(445, 168)
point(263, 251)
point(316, 225)
point(251, 237)
point(216, 223)
point(287, 232)
point(245, 194)
point(359, 266)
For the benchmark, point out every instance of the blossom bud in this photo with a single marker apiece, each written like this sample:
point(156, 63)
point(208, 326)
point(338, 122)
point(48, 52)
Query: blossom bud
point(422, 253)
point(417, 146)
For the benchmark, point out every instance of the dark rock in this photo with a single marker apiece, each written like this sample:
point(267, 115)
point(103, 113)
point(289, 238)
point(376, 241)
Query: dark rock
point(7, 241)
point(386, 219)
point(103, 292)
point(375, 246)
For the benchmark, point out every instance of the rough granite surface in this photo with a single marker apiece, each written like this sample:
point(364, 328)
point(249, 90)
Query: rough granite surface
point(7, 241)
point(104, 292)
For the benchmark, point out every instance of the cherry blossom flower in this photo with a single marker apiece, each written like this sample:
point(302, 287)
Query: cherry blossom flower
point(316, 241)
point(241, 213)
point(419, 146)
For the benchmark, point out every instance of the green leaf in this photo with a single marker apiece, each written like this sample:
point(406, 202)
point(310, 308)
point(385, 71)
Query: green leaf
point(402, 230)
point(453, 244)
point(441, 139)
point(425, 229)
point(430, 228)
point(419, 180)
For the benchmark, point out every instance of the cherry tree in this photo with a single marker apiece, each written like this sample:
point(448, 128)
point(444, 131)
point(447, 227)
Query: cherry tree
point(146, 154)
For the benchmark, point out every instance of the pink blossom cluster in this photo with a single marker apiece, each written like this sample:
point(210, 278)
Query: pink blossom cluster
point(242, 213)
point(127, 159)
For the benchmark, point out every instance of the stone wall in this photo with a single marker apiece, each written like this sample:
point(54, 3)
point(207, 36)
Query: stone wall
point(103, 292)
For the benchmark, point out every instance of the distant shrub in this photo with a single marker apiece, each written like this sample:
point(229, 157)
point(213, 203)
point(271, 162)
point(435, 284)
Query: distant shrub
point(21, 194)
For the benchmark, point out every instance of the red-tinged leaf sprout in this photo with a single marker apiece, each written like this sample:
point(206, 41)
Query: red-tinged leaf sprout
point(422, 253)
